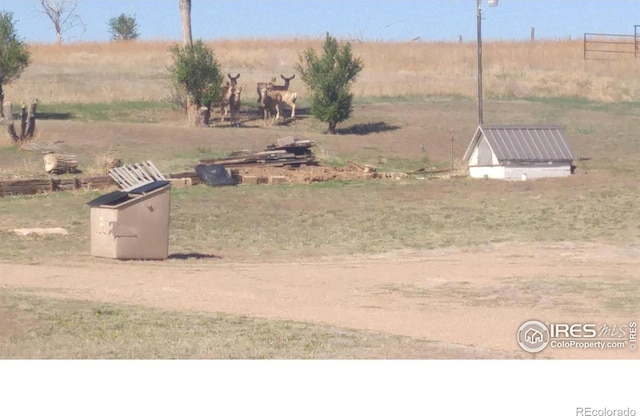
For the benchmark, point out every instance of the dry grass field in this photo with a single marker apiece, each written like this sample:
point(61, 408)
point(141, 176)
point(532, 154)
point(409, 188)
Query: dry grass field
point(106, 72)
point(436, 267)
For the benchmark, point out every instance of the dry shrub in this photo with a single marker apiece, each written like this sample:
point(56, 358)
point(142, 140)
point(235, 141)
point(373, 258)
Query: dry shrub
point(107, 72)
point(104, 162)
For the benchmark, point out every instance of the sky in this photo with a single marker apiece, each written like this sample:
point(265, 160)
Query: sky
point(364, 20)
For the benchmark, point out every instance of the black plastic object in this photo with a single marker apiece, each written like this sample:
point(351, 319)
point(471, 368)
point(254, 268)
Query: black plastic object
point(215, 175)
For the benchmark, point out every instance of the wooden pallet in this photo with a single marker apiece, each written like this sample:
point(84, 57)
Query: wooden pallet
point(132, 176)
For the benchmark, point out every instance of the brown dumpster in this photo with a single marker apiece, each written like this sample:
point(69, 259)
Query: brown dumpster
point(132, 224)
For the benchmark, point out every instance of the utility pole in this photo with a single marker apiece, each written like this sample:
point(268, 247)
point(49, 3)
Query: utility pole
point(491, 3)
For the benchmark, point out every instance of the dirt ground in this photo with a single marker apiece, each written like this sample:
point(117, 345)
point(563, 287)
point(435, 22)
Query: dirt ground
point(470, 299)
point(467, 299)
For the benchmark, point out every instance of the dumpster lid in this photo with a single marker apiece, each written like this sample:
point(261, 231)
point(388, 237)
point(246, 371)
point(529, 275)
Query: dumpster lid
point(149, 187)
point(112, 198)
point(117, 197)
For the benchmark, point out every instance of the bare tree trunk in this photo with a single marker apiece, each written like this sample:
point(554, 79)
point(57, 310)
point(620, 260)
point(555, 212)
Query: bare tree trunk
point(187, 40)
point(11, 129)
point(185, 14)
point(203, 117)
point(1, 100)
point(31, 119)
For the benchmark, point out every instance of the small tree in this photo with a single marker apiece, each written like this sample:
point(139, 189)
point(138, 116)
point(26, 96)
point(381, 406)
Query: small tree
point(329, 78)
point(197, 78)
point(14, 55)
point(123, 27)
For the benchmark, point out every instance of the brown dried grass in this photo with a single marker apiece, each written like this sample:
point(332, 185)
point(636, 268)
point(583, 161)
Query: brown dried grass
point(107, 72)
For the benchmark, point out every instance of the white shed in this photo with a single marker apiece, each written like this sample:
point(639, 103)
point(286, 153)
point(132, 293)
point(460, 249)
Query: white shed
point(519, 152)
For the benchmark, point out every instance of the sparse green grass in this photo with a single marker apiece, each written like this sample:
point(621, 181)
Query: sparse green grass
point(126, 111)
point(285, 221)
point(45, 326)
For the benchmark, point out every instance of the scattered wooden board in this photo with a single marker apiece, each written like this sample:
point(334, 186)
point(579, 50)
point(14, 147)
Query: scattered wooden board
point(28, 232)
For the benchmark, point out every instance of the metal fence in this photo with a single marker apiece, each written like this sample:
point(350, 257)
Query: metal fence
point(608, 46)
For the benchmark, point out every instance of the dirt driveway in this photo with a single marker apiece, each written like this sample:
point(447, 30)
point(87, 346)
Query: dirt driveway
point(474, 299)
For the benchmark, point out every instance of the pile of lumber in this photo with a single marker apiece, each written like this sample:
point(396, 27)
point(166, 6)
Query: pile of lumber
point(13, 187)
point(288, 151)
point(51, 184)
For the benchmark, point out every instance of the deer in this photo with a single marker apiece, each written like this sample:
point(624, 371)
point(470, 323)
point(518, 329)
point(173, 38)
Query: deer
point(234, 105)
point(261, 85)
point(288, 97)
point(284, 87)
point(226, 95)
point(270, 102)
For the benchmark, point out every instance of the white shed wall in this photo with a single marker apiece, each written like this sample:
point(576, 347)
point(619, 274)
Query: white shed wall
point(535, 172)
point(516, 172)
point(490, 172)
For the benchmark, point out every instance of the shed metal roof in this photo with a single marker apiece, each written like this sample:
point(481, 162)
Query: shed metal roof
point(524, 143)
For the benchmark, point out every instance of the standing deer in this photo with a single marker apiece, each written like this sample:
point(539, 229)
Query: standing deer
point(261, 85)
point(226, 95)
point(270, 102)
point(284, 87)
point(234, 105)
point(286, 97)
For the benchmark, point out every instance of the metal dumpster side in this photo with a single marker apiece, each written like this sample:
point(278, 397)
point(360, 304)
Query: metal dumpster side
point(132, 225)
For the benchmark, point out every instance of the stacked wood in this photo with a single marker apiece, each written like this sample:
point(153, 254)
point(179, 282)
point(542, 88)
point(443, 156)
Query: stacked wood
point(44, 185)
point(191, 176)
point(60, 163)
point(285, 152)
point(38, 186)
point(51, 184)
point(25, 186)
